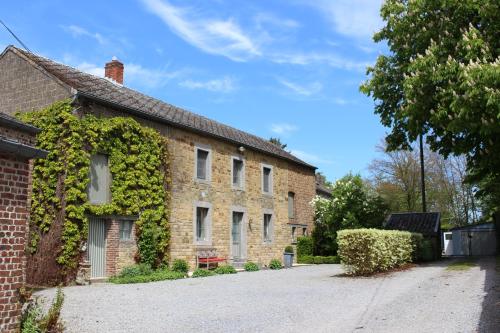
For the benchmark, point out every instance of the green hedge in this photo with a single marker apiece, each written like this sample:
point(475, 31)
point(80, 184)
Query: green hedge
point(318, 260)
point(304, 246)
point(366, 251)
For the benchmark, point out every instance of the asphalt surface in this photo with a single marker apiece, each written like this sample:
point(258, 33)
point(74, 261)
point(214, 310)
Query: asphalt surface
point(426, 298)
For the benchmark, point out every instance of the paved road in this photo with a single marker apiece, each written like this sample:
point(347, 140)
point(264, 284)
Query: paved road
point(304, 299)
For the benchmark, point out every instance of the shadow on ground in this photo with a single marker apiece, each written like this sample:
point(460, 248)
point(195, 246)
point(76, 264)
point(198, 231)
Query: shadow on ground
point(490, 315)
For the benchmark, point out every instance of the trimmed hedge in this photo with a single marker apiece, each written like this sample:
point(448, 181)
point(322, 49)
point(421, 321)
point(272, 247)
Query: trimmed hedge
point(318, 260)
point(367, 251)
point(304, 246)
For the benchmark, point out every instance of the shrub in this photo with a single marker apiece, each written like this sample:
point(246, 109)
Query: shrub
point(417, 244)
point(225, 269)
point(158, 275)
point(136, 270)
point(366, 251)
point(427, 253)
point(202, 273)
point(251, 267)
point(289, 249)
point(275, 264)
point(180, 266)
point(304, 246)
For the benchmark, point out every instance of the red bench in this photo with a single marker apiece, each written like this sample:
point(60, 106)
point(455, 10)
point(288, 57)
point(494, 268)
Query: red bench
point(207, 257)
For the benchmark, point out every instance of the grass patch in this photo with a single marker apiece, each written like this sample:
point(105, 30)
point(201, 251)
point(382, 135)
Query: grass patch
point(461, 265)
point(135, 276)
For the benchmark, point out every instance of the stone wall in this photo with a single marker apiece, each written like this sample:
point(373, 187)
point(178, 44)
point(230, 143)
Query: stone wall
point(13, 230)
point(24, 87)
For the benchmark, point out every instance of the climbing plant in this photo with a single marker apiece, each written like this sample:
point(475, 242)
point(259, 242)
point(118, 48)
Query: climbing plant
point(139, 165)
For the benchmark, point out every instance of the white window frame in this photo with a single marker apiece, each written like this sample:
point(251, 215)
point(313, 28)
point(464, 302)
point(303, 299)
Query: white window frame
point(271, 178)
point(271, 229)
point(208, 240)
point(208, 167)
point(242, 181)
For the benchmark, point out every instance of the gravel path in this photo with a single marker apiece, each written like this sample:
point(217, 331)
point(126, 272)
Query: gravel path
point(303, 299)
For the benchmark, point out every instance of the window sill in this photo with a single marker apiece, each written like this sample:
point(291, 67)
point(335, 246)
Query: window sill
point(202, 181)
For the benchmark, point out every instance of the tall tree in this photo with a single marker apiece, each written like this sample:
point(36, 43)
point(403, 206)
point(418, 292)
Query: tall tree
point(396, 174)
point(442, 78)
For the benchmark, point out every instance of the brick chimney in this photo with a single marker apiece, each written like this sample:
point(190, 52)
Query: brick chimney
point(114, 70)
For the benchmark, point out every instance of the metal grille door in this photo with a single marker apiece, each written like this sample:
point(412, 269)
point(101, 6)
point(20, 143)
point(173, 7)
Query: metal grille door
point(97, 247)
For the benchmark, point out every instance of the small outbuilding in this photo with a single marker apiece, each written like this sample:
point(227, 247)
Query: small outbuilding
point(471, 240)
point(427, 224)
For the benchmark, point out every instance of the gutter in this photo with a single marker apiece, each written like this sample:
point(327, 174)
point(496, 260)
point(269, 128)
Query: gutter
point(11, 146)
point(155, 118)
point(11, 122)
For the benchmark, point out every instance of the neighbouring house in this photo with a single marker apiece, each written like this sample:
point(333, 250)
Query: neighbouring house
point(17, 142)
point(231, 192)
point(470, 240)
point(427, 224)
point(322, 189)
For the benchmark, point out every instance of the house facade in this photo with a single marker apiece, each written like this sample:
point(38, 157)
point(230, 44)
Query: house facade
point(231, 192)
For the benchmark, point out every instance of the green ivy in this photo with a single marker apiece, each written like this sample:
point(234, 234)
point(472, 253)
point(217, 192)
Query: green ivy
point(140, 169)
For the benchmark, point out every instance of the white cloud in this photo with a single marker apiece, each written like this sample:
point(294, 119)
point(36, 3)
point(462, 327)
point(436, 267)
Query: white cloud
point(310, 158)
point(78, 31)
point(91, 69)
point(214, 36)
point(225, 85)
point(262, 19)
point(283, 128)
point(304, 90)
point(355, 18)
point(329, 59)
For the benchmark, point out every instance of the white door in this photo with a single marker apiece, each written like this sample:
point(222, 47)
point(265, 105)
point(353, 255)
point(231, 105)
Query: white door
point(97, 247)
point(236, 235)
point(448, 243)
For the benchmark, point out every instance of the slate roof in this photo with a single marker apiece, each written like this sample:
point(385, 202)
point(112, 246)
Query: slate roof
point(104, 91)
point(424, 223)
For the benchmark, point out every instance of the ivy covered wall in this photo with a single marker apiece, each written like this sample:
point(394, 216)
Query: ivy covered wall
point(140, 170)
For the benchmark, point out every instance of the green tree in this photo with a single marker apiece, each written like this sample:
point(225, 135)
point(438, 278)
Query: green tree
point(354, 204)
point(442, 79)
point(277, 142)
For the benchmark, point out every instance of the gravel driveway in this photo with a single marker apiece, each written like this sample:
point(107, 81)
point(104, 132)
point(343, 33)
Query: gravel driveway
point(303, 299)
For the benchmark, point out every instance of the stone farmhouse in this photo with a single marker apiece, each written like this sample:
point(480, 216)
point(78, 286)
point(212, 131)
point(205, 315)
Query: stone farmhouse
point(232, 193)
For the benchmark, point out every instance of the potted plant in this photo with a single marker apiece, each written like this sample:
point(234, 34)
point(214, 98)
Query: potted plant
point(288, 256)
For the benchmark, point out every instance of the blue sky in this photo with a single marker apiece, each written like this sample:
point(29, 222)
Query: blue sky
point(281, 68)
